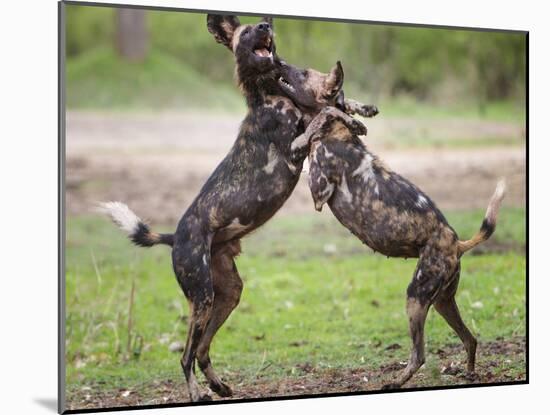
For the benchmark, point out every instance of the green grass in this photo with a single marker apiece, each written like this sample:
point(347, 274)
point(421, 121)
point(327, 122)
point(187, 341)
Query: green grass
point(100, 80)
point(312, 294)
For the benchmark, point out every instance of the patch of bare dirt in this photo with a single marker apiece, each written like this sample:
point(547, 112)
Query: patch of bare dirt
point(157, 163)
point(498, 361)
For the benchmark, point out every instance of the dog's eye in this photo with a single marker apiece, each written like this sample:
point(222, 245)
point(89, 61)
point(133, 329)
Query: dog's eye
point(246, 31)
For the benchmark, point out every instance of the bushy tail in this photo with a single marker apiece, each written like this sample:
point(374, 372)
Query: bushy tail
point(489, 222)
point(137, 230)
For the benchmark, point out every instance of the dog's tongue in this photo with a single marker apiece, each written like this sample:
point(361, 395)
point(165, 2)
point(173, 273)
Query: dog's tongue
point(262, 52)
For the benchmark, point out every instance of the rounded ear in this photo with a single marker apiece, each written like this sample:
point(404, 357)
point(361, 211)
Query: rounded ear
point(222, 27)
point(335, 79)
point(268, 19)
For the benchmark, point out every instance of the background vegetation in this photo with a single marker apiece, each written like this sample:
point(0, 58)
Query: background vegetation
point(183, 67)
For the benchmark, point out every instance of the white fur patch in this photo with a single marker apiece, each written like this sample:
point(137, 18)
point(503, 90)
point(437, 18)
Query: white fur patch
point(299, 142)
point(313, 151)
point(272, 159)
point(344, 189)
point(501, 188)
point(327, 191)
point(365, 168)
point(328, 154)
point(422, 201)
point(322, 195)
point(235, 227)
point(291, 167)
point(305, 166)
point(121, 215)
point(496, 200)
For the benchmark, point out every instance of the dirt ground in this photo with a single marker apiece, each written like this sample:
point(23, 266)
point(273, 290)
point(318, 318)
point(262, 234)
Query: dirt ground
point(156, 163)
point(312, 381)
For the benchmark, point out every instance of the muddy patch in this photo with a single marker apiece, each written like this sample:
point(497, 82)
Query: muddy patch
point(498, 361)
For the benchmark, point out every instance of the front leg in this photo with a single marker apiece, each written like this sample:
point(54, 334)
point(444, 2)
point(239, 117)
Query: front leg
point(283, 117)
point(353, 107)
point(299, 148)
point(329, 122)
point(319, 181)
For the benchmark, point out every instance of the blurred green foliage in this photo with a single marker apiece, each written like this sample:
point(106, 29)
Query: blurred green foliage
point(439, 66)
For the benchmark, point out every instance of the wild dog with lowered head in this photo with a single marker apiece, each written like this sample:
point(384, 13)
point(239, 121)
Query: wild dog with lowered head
point(246, 189)
point(394, 217)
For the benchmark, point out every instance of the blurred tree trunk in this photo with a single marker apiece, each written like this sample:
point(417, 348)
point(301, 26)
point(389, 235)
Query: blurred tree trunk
point(132, 38)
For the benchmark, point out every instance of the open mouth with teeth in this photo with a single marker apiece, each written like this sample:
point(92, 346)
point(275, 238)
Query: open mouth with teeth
point(265, 48)
point(286, 85)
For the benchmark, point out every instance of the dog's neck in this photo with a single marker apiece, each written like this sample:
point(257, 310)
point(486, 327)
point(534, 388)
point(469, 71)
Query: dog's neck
point(256, 86)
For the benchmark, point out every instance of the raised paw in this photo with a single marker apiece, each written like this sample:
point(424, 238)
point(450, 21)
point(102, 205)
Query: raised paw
point(321, 124)
point(356, 127)
point(326, 117)
point(324, 122)
point(369, 111)
point(355, 107)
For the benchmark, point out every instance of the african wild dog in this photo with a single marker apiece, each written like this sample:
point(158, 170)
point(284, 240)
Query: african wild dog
point(246, 189)
point(394, 217)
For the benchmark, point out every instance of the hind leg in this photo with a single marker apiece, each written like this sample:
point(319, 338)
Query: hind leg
point(430, 276)
point(417, 312)
point(445, 305)
point(191, 260)
point(227, 293)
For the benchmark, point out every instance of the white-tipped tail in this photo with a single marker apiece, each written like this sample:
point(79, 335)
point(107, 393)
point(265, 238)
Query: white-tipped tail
point(494, 204)
point(137, 230)
point(489, 222)
point(122, 216)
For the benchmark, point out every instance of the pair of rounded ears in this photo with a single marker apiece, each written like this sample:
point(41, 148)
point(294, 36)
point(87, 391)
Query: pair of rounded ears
point(223, 27)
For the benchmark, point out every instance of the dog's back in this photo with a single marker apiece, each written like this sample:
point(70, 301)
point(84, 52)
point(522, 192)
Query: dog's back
point(386, 211)
point(383, 209)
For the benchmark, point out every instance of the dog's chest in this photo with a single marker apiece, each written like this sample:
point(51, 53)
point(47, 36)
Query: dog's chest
point(258, 176)
point(278, 124)
point(280, 118)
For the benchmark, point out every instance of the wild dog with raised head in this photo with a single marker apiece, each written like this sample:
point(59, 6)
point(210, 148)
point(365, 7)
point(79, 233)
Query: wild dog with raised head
point(246, 189)
point(394, 217)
